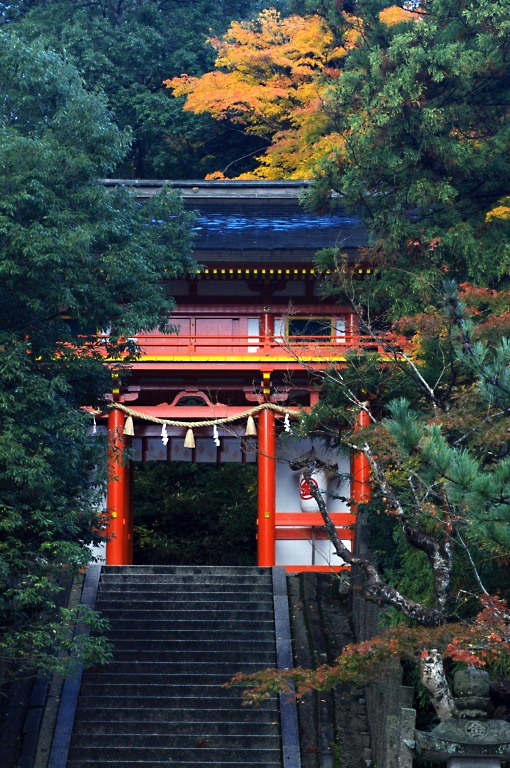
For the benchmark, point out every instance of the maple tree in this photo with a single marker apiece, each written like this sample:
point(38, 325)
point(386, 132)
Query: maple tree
point(482, 641)
point(270, 78)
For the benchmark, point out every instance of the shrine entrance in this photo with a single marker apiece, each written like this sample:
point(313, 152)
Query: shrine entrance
point(186, 513)
point(289, 527)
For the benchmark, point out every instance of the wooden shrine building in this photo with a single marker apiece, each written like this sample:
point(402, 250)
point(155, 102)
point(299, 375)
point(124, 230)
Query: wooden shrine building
point(252, 330)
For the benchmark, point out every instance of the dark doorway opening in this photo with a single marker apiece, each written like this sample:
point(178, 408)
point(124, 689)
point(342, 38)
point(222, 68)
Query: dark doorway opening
point(195, 514)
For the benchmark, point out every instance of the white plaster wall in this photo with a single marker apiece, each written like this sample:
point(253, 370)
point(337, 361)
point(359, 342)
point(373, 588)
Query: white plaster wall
point(287, 481)
point(306, 552)
point(302, 551)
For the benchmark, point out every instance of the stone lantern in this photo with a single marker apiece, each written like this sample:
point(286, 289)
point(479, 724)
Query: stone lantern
point(469, 740)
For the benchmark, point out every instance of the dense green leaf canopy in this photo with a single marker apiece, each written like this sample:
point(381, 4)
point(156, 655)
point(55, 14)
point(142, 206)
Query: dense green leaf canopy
point(73, 258)
point(126, 49)
point(424, 108)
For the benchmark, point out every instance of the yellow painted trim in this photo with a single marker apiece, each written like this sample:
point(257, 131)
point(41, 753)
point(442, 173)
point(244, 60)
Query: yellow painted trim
point(237, 359)
point(246, 273)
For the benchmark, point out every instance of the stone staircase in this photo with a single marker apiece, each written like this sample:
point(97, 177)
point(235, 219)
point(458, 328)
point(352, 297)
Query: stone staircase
point(179, 633)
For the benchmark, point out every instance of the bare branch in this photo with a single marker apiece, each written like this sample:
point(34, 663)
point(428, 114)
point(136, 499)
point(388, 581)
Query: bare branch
point(473, 566)
point(375, 589)
point(438, 552)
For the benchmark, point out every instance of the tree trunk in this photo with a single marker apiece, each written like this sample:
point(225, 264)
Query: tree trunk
point(433, 678)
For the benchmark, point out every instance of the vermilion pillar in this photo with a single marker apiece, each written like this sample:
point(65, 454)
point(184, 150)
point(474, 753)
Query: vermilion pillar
point(266, 463)
point(360, 468)
point(267, 330)
point(116, 493)
point(128, 513)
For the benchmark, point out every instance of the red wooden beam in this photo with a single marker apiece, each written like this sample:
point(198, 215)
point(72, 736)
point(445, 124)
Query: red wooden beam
point(197, 412)
point(339, 519)
point(316, 568)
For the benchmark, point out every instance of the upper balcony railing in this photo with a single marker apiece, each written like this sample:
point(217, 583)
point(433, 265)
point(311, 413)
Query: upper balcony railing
point(220, 335)
point(243, 346)
point(247, 337)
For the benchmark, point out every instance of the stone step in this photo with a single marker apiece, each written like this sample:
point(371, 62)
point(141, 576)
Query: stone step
point(234, 571)
point(165, 584)
point(237, 728)
point(101, 755)
point(184, 741)
point(200, 635)
point(248, 596)
point(237, 658)
point(128, 678)
point(176, 701)
point(204, 761)
point(227, 644)
point(182, 667)
point(239, 614)
point(254, 715)
point(185, 582)
point(212, 586)
point(204, 644)
point(128, 690)
point(191, 603)
point(203, 623)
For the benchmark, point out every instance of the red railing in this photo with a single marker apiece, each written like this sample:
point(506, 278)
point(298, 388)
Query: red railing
point(160, 345)
point(251, 333)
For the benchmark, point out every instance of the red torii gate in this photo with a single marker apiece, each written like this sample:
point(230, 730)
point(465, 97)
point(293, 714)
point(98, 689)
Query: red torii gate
point(119, 549)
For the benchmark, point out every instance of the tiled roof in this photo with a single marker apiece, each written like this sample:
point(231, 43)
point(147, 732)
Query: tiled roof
point(273, 226)
point(256, 216)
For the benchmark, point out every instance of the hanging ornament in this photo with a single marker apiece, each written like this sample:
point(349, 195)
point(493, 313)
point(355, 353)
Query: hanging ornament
point(189, 441)
point(216, 437)
point(129, 429)
point(251, 430)
point(164, 435)
point(286, 423)
point(319, 480)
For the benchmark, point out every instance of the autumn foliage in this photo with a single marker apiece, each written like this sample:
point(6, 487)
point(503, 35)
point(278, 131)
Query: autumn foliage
point(475, 643)
point(271, 77)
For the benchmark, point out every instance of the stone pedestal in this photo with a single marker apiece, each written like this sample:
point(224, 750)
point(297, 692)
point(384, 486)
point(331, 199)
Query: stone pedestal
point(473, 762)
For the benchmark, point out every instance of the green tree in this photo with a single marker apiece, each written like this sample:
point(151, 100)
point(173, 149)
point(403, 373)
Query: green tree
point(73, 258)
point(423, 108)
point(126, 49)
